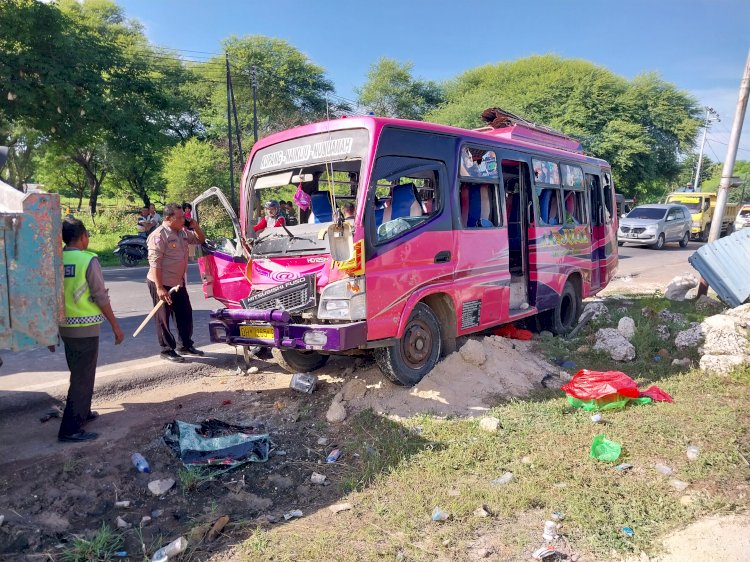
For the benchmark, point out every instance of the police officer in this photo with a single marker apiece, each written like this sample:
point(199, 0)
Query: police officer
point(86, 307)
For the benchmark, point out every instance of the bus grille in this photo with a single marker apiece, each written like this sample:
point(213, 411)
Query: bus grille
point(292, 296)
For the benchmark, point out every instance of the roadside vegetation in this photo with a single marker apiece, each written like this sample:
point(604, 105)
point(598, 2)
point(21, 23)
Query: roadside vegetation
point(407, 468)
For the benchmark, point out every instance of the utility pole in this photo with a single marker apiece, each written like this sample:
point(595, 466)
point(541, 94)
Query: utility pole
point(726, 173)
point(709, 112)
point(229, 135)
point(237, 130)
point(255, 103)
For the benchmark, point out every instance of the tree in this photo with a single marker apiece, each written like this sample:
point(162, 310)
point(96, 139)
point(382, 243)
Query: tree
point(641, 126)
point(392, 91)
point(191, 168)
point(291, 90)
point(59, 174)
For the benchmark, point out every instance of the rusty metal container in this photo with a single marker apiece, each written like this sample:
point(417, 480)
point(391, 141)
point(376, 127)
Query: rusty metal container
point(31, 291)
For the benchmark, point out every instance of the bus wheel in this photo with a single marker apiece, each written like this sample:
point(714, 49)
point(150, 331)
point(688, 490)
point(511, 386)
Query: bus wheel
point(295, 361)
point(563, 318)
point(416, 353)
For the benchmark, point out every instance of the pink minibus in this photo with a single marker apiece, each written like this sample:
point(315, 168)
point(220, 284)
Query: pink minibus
point(453, 232)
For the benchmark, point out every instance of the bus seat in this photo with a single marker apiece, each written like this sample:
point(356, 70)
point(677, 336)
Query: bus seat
point(544, 200)
point(379, 216)
point(404, 203)
point(322, 211)
point(476, 205)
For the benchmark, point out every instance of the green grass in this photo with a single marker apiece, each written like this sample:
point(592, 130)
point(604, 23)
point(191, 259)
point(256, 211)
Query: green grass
point(101, 548)
point(191, 478)
point(405, 469)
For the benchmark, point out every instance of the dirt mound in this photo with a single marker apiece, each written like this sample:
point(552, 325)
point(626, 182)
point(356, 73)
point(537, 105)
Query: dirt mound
point(464, 383)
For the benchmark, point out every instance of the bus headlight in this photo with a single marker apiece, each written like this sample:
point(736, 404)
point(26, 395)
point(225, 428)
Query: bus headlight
point(343, 300)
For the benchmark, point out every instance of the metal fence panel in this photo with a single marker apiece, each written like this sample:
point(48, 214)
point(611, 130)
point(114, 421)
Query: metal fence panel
point(725, 265)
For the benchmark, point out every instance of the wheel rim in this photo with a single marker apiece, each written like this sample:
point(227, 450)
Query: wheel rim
point(660, 241)
point(417, 344)
point(685, 239)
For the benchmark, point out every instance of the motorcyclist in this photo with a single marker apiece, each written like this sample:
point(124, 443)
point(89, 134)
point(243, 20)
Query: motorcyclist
point(272, 216)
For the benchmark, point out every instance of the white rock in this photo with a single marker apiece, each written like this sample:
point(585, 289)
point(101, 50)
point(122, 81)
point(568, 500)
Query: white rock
point(626, 326)
point(598, 308)
point(614, 343)
point(706, 303)
point(145, 521)
point(317, 478)
point(741, 313)
point(662, 331)
point(722, 364)
point(353, 389)
point(679, 286)
point(121, 523)
point(322, 440)
point(160, 487)
point(336, 413)
point(252, 370)
point(678, 485)
point(683, 363)
point(689, 338)
point(481, 511)
point(722, 337)
point(339, 507)
point(473, 352)
point(489, 424)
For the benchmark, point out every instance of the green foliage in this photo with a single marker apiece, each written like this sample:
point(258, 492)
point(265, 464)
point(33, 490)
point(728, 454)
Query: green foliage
point(639, 126)
point(391, 91)
point(101, 548)
point(291, 89)
point(193, 167)
point(741, 170)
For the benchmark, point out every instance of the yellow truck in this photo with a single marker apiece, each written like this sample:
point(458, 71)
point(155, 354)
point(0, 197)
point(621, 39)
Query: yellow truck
point(702, 207)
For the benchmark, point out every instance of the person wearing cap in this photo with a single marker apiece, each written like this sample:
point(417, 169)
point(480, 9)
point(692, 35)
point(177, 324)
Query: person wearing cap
point(272, 216)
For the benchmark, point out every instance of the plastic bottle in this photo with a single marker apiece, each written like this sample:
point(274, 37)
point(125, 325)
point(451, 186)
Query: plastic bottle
point(171, 550)
point(693, 453)
point(333, 456)
point(550, 531)
point(140, 463)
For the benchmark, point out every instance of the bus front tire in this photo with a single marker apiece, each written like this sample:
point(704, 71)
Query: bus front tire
point(295, 361)
point(564, 317)
point(416, 353)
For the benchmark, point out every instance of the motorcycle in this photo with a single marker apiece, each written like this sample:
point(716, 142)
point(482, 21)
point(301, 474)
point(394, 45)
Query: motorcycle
point(131, 249)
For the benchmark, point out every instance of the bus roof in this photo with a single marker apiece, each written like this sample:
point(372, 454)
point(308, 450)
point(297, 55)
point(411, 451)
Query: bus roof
point(518, 135)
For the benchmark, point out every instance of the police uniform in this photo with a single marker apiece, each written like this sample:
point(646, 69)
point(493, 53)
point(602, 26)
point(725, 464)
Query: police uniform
point(84, 292)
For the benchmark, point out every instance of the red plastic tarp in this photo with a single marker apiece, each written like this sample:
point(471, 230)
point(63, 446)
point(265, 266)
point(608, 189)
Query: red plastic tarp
point(513, 333)
point(592, 385)
point(657, 394)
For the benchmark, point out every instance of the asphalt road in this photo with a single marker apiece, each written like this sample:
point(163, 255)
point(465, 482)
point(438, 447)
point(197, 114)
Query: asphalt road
point(39, 372)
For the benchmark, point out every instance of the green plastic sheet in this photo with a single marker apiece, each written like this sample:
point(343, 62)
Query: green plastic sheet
point(602, 449)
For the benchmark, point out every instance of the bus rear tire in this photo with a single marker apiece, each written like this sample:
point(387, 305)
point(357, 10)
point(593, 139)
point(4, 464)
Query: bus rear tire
point(564, 317)
point(416, 353)
point(295, 361)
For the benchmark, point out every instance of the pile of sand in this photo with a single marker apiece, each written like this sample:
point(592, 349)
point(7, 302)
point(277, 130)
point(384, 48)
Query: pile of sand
point(466, 382)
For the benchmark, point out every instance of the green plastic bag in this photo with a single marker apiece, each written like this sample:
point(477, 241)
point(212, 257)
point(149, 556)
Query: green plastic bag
point(602, 449)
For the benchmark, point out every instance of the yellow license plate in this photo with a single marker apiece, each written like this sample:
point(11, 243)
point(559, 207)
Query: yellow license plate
point(260, 332)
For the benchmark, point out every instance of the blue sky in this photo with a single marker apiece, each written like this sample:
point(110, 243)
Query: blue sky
point(699, 45)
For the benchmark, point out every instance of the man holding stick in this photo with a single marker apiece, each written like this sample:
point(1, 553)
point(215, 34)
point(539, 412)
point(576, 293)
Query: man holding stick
point(168, 260)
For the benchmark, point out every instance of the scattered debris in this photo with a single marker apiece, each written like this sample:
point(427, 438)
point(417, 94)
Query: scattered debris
point(615, 344)
point(473, 353)
point(596, 418)
point(322, 440)
point(317, 478)
point(161, 487)
point(550, 531)
point(596, 390)
point(544, 552)
point(693, 453)
point(511, 332)
point(683, 363)
point(174, 548)
point(622, 467)
point(292, 514)
point(489, 424)
point(663, 469)
point(440, 515)
point(339, 507)
point(252, 370)
point(678, 485)
point(602, 449)
point(145, 521)
point(124, 503)
point(482, 511)
point(217, 528)
point(303, 382)
point(558, 516)
point(679, 286)
point(120, 523)
point(503, 480)
point(566, 364)
point(628, 532)
point(215, 442)
point(626, 327)
point(333, 456)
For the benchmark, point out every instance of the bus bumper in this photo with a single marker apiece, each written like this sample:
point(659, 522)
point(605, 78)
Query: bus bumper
point(273, 328)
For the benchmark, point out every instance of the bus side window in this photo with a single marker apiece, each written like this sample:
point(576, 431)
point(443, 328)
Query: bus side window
point(479, 205)
point(608, 196)
point(549, 206)
point(574, 207)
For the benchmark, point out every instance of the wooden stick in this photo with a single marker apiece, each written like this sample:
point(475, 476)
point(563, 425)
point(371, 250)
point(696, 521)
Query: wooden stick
point(154, 310)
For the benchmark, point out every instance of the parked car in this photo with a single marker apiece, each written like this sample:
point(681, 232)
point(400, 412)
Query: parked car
point(743, 218)
point(655, 225)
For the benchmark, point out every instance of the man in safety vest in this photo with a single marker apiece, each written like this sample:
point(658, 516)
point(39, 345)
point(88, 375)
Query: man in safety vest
point(86, 307)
